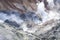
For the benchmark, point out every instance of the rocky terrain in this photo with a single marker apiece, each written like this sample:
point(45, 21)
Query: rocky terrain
point(42, 24)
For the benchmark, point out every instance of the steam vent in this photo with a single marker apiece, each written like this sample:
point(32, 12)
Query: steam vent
point(29, 19)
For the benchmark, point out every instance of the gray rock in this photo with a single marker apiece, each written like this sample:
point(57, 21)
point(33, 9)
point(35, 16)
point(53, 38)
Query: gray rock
point(12, 23)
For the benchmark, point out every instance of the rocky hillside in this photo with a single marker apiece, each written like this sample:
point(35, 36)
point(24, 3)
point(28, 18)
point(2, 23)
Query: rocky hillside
point(41, 24)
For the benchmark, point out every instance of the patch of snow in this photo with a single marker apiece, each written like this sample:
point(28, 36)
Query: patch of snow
point(41, 11)
point(24, 26)
point(50, 3)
